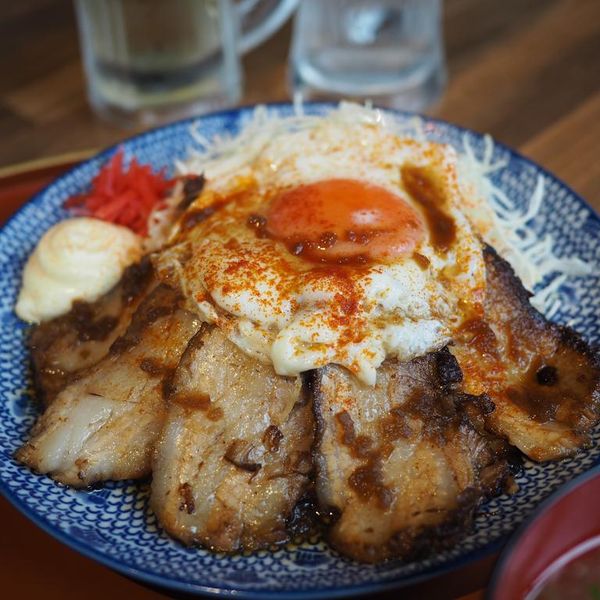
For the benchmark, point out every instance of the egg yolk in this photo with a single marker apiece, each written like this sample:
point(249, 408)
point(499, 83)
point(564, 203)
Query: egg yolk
point(344, 221)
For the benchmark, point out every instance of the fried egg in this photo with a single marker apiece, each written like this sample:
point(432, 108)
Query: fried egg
point(339, 243)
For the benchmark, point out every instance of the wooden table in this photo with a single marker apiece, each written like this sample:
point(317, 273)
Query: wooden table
point(526, 71)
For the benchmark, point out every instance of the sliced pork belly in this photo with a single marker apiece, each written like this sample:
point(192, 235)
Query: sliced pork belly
point(543, 379)
point(401, 466)
point(104, 425)
point(65, 346)
point(234, 456)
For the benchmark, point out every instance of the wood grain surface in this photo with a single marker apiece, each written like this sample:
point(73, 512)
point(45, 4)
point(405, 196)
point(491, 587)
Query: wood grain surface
point(526, 71)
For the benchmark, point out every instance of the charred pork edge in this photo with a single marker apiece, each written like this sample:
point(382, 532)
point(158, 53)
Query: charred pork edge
point(512, 285)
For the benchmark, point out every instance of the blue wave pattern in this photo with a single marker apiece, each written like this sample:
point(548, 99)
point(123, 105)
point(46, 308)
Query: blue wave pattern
point(114, 524)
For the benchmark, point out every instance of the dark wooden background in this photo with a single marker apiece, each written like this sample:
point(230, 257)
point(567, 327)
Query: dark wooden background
point(526, 71)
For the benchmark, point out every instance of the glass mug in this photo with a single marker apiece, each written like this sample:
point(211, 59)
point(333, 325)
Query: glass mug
point(388, 51)
point(149, 61)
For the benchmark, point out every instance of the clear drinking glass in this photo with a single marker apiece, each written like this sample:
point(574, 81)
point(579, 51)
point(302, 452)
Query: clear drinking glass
point(148, 61)
point(388, 51)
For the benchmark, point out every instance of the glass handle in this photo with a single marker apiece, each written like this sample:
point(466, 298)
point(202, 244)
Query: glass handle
point(261, 18)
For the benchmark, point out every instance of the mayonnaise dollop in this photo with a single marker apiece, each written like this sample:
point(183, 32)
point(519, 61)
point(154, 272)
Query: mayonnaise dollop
point(77, 259)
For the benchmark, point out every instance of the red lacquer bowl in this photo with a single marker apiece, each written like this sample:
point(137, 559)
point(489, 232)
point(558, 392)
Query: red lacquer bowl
point(567, 521)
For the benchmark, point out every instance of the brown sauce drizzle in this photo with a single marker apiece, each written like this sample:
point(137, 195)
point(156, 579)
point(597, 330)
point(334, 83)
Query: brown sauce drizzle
point(360, 446)
point(539, 393)
point(192, 400)
point(421, 260)
point(83, 316)
point(367, 482)
point(194, 217)
point(347, 426)
point(525, 397)
point(162, 302)
point(167, 382)
point(307, 247)
point(214, 413)
point(395, 425)
point(311, 250)
point(136, 279)
point(187, 498)
point(87, 326)
point(157, 369)
point(192, 187)
point(272, 438)
point(124, 343)
point(420, 183)
point(259, 224)
point(152, 367)
point(306, 250)
point(362, 237)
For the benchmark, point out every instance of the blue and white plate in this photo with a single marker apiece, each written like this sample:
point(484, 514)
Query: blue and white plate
point(114, 524)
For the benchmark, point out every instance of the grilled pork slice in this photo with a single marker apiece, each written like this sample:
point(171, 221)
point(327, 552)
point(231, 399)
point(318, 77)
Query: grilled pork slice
point(105, 424)
point(543, 378)
point(234, 456)
point(401, 466)
point(65, 346)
